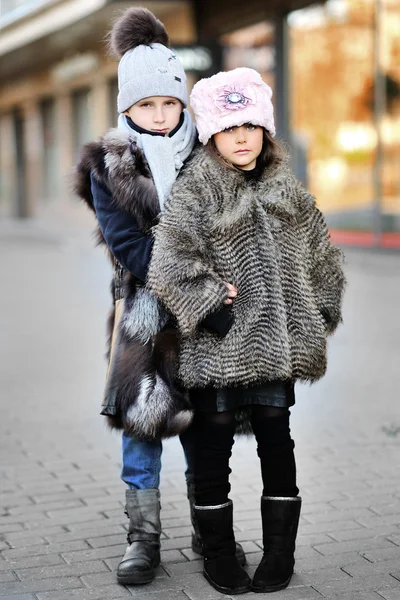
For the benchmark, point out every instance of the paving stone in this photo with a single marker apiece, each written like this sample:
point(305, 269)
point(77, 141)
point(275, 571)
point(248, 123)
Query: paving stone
point(22, 587)
point(85, 533)
point(365, 501)
point(358, 584)
point(77, 569)
point(254, 558)
point(183, 568)
point(178, 532)
point(25, 540)
point(109, 578)
point(94, 554)
point(60, 496)
point(10, 527)
point(172, 556)
point(176, 543)
point(109, 592)
point(367, 568)
point(45, 507)
point(44, 549)
point(380, 521)
point(37, 489)
point(313, 578)
point(305, 565)
point(103, 503)
point(313, 539)
point(362, 533)
point(164, 595)
point(8, 501)
point(245, 536)
point(356, 545)
point(290, 593)
point(343, 515)
point(31, 561)
point(393, 594)
point(74, 516)
point(394, 538)
point(306, 552)
point(358, 596)
point(329, 527)
point(18, 596)
point(107, 540)
point(196, 588)
point(189, 554)
point(382, 554)
point(6, 576)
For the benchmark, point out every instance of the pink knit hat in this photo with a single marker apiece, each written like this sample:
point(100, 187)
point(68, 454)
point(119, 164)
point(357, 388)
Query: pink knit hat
point(229, 99)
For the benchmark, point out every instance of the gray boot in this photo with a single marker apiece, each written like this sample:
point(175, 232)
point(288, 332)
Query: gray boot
point(142, 556)
point(197, 544)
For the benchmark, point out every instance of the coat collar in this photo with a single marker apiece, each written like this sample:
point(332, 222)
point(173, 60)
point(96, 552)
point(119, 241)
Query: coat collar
point(116, 163)
point(271, 191)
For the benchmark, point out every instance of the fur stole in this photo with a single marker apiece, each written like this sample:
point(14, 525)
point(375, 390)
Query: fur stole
point(142, 396)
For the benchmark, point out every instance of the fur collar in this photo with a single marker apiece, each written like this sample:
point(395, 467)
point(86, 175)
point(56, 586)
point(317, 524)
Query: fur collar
point(231, 196)
point(117, 163)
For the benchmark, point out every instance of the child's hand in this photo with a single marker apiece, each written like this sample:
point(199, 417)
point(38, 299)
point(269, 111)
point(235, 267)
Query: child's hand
point(232, 292)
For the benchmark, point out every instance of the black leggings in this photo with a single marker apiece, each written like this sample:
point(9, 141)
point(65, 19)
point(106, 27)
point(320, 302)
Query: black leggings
point(214, 440)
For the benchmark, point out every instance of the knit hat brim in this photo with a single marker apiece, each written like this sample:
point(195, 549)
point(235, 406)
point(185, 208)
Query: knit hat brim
point(164, 84)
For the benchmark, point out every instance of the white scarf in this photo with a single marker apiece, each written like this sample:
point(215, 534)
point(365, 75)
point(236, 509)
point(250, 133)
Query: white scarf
point(165, 155)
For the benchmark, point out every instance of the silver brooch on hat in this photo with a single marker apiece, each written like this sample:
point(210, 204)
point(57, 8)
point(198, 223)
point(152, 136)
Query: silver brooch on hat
point(234, 97)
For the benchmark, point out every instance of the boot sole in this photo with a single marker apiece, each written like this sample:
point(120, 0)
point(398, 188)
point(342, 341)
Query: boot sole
point(270, 588)
point(137, 578)
point(225, 590)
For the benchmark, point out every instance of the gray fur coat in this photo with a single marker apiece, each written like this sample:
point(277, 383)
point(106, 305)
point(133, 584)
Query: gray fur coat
point(272, 243)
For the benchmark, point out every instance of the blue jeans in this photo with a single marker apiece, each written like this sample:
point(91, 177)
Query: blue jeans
point(141, 461)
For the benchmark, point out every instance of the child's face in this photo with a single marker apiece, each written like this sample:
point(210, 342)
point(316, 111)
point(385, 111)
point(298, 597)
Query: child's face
point(240, 145)
point(156, 113)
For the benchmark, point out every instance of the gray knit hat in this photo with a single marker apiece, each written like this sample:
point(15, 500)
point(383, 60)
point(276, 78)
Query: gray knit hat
point(147, 67)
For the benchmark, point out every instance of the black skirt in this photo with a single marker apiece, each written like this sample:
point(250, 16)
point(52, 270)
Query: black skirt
point(272, 393)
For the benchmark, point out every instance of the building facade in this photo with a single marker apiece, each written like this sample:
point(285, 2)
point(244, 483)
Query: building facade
point(58, 89)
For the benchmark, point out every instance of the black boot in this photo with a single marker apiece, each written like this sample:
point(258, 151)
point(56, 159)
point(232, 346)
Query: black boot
point(221, 567)
point(142, 556)
point(197, 545)
point(280, 519)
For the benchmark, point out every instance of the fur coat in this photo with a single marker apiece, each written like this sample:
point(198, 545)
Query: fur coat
point(271, 242)
point(142, 395)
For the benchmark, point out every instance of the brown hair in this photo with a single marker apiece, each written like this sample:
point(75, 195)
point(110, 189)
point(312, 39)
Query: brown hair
point(271, 151)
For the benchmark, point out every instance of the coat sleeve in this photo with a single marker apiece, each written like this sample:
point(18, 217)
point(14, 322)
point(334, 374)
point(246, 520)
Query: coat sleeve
point(131, 247)
point(324, 262)
point(181, 269)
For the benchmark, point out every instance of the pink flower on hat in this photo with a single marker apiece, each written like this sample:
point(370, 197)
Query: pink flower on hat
point(230, 99)
point(234, 97)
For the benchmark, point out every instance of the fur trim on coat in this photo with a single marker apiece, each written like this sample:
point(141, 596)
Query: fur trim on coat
point(272, 243)
point(142, 394)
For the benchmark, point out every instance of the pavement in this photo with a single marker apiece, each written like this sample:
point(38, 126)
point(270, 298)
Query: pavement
point(62, 525)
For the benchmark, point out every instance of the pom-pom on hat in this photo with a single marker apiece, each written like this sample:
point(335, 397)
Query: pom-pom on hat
point(148, 66)
point(231, 99)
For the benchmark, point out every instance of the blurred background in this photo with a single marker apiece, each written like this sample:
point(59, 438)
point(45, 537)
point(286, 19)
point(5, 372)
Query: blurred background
point(334, 67)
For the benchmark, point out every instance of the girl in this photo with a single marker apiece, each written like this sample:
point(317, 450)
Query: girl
point(242, 244)
point(124, 178)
